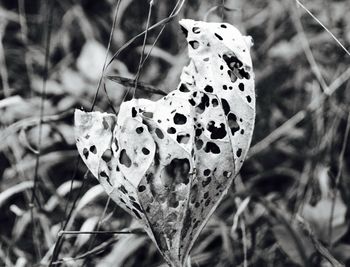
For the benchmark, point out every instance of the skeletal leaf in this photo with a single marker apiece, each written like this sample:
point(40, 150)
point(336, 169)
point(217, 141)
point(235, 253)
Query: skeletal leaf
point(170, 162)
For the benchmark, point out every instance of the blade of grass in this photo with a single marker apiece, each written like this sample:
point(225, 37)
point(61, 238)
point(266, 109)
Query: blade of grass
point(48, 27)
point(298, 117)
point(337, 179)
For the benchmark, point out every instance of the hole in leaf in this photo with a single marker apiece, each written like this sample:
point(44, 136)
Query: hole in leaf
point(124, 158)
point(194, 44)
point(180, 119)
point(139, 130)
point(107, 155)
point(145, 151)
point(211, 147)
point(93, 149)
point(85, 153)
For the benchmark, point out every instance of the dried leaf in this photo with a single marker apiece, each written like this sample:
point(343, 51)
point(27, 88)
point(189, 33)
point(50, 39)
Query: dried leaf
point(169, 163)
point(91, 59)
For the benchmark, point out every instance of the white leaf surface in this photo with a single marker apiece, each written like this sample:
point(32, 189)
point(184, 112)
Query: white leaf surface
point(170, 162)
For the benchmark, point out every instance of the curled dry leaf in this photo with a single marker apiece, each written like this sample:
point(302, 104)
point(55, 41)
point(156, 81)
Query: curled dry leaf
point(169, 163)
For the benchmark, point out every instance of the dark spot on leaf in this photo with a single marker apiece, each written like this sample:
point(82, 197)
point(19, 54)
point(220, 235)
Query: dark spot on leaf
point(197, 204)
point(208, 89)
point(194, 193)
point(242, 131)
point(211, 147)
point(206, 181)
point(183, 138)
point(159, 133)
point(232, 76)
point(203, 104)
point(141, 188)
point(196, 30)
point(206, 172)
point(145, 151)
point(107, 155)
point(206, 195)
point(216, 133)
point(124, 159)
point(223, 26)
point(93, 149)
point(218, 36)
point(199, 144)
point(123, 189)
point(183, 88)
point(184, 31)
point(198, 132)
point(139, 130)
point(180, 119)
point(232, 123)
point(241, 87)
point(244, 74)
point(227, 174)
point(192, 102)
point(194, 44)
point(224, 87)
point(207, 202)
point(105, 124)
point(214, 102)
point(137, 206)
point(225, 106)
point(137, 214)
point(148, 114)
point(206, 59)
point(239, 152)
point(178, 170)
point(104, 175)
point(171, 130)
point(85, 153)
point(133, 112)
point(116, 144)
point(249, 99)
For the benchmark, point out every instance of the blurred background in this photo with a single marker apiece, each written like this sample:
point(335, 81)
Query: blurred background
point(292, 197)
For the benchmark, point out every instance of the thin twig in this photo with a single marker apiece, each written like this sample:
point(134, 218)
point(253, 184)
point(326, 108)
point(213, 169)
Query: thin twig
point(307, 50)
point(174, 12)
point(99, 224)
point(59, 242)
point(324, 27)
point(154, 26)
point(106, 57)
point(159, 34)
point(135, 231)
point(138, 73)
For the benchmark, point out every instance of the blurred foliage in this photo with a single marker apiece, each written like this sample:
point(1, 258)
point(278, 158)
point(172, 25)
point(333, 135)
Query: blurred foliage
point(289, 189)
